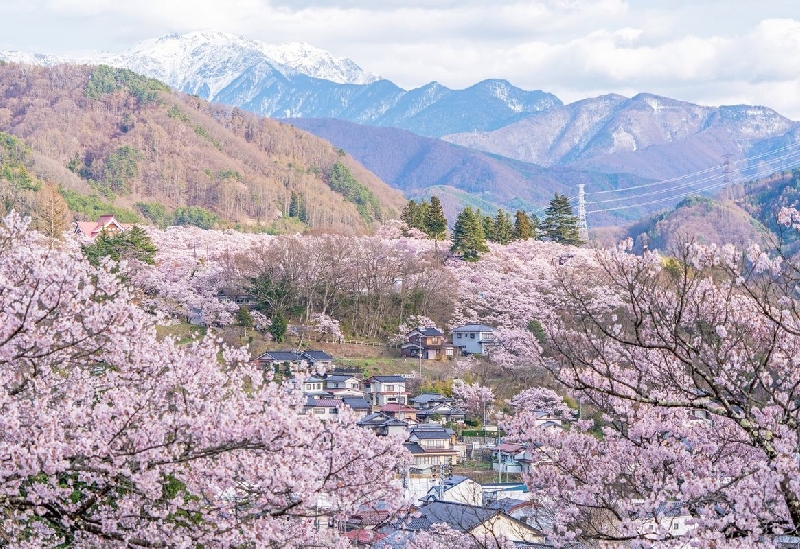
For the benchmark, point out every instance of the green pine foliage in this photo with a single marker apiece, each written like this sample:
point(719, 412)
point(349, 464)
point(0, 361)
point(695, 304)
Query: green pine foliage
point(297, 207)
point(244, 318)
point(121, 166)
point(523, 229)
point(14, 158)
point(342, 181)
point(560, 225)
point(105, 79)
point(196, 216)
point(278, 327)
point(435, 222)
point(155, 212)
point(469, 240)
point(92, 207)
point(487, 221)
point(503, 228)
point(133, 244)
point(536, 226)
point(414, 214)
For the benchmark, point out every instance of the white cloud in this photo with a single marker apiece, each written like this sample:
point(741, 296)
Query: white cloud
point(714, 51)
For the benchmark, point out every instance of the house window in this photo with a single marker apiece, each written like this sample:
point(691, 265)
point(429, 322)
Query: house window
point(472, 336)
point(675, 526)
point(458, 336)
point(390, 388)
point(319, 410)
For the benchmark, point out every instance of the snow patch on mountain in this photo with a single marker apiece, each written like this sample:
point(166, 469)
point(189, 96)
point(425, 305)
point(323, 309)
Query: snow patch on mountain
point(206, 62)
point(27, 58)
point(311, 61)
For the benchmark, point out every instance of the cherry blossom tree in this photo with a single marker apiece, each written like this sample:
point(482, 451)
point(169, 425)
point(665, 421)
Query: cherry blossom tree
point(692, 363)
point(326, 327)
point(112, 437)
point(474, 397)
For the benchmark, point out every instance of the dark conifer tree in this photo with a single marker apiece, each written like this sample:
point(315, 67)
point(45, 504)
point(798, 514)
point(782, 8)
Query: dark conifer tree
point(435, 221)
point(414, 214)
point(469, 240)
point(503, 228)
point(487, 222)
point(523, 230)
point(559, 223)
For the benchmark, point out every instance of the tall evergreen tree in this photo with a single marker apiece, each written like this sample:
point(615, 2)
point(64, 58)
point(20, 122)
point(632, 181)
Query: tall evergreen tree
point(503, 228)
point(487, 222)
point(536, 226)
point(468, 237)
point(559, 223)
point(243, 317)
point(278, 327)
point(294, 205)
point(301, 209)
point(435, 221)
point(522, 226)
point(414, 214)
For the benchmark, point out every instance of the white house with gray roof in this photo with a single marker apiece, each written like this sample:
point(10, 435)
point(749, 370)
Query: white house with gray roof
point(382, 390)
point(474, 339)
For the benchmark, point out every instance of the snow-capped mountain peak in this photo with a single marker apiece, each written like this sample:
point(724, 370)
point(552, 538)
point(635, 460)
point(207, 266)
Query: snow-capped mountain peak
point(205, 62)
point(312, 61)
point(197, 48)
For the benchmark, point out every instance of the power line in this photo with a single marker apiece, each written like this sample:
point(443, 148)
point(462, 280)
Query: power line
point(725, 176)
point(722, 166)
point(765, 172)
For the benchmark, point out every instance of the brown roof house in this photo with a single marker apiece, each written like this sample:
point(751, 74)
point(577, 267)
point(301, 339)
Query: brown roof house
point(428, 344)
point(106, 223)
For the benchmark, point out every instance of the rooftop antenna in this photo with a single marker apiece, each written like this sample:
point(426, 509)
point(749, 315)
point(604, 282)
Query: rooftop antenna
point(583, 229)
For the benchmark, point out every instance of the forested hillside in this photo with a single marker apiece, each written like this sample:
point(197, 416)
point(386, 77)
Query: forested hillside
point(741, 214)
point(108, 138)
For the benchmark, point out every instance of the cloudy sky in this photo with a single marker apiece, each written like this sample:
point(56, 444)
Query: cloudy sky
point(704, 51)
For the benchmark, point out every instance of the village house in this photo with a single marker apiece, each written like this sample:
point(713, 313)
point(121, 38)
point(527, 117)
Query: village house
point(106, 223)
point(514, 458)
point(668, 517)
point(399, 411)
point(323, 408)
point(319, 361)
point(294, 360)
point(343, 385)
point(314, 386)
point(458, 489)
point(474, 339)
point(285, 360)
point(437, 407)
point(382, 390)
point(328, 408)
point(473, 520)
point(498, 491)
point(433, 449)
point(428, 344)
point(384, 425)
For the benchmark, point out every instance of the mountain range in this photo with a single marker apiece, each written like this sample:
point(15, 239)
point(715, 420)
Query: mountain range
point(298, 80)
point(491, 144)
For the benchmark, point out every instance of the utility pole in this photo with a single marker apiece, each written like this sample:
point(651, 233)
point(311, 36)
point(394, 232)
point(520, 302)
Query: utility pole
point(583, 229)
point(484, 422)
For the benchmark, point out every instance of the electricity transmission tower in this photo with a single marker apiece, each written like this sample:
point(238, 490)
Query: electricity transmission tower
point(583, 229)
